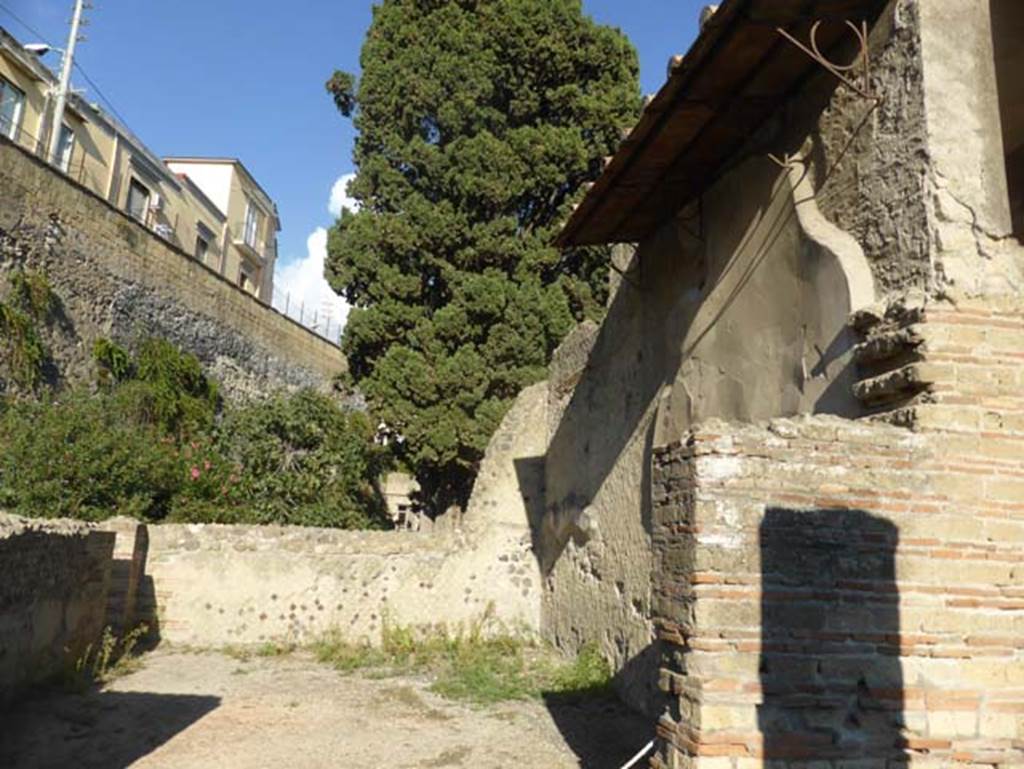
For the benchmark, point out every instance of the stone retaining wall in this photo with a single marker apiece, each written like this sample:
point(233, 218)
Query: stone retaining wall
point(117, 279)
point(53, 589)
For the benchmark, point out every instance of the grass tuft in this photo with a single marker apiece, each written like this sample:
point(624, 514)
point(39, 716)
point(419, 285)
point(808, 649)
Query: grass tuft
point(100, 664)
point(472, 666)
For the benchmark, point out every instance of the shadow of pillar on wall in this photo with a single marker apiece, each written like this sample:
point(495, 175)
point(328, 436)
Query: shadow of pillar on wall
point(131, 601)
point(830, 672)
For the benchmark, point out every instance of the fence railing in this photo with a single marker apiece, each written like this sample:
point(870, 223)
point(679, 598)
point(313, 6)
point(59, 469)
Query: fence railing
point(321, 321)
point(93, 174)
point(88, 170)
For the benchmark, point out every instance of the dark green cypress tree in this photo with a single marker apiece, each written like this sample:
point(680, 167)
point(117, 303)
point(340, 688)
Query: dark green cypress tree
point(479, 121)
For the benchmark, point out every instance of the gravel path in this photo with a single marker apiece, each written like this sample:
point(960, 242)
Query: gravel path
point(206, 710)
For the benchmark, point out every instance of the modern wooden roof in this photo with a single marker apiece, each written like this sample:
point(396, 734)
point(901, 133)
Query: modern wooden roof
point(736, 74)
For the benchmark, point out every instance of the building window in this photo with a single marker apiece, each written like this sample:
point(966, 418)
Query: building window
point(202, 248)
point(138, 200)
point(203, 239)
point(246, 281)
point(253, 219)
point(65, 148)
point(1008, 43)
point(12, 104)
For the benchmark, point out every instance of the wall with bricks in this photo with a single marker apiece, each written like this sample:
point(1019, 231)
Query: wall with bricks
point(117, 279)
point(839, 591)
point(53, 590)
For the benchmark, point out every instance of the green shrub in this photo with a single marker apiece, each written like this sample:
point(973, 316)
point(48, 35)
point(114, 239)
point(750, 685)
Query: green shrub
point(86, 457)
point(180, 398)
point(114, 363)
point(33, 295)
point(30, 303)
point(293, 459)
point(151, 444)
point(22, 348)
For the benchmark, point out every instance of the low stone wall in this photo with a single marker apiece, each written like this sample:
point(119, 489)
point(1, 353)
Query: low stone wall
point(212, 585)
point(53, 591)
point(117, 279)
point(216, 585)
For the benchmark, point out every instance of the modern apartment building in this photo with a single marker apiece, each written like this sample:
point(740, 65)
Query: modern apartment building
point(247, 246)
point(213, 209)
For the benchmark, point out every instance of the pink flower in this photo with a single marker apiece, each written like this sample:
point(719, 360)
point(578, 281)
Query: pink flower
point(206, 464)
point(195, 473)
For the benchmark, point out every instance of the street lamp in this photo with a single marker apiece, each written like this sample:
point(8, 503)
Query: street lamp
point(40, 49)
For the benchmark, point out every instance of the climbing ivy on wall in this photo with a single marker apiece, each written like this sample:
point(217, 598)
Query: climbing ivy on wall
point(29, 304)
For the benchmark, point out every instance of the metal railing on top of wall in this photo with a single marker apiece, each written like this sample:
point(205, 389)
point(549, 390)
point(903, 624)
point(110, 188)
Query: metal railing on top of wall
point(86, 169)
point(92, 173)
point(318, 320)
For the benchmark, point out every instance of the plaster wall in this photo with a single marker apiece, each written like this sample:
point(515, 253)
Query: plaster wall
point(969, 202)
point(696, 329)
point(54, 577)
point(210, 585)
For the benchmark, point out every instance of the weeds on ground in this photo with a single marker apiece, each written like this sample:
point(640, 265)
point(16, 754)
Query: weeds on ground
point(104, 661)
point(244, 653)
point(474, 665)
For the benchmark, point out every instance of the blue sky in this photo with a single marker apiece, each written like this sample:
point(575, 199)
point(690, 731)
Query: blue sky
point(245, 79)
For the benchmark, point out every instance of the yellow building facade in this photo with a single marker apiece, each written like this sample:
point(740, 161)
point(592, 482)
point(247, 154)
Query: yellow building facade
point(211, 208)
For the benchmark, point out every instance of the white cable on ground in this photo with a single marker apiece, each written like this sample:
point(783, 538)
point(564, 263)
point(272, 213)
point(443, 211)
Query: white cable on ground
point(633, 761)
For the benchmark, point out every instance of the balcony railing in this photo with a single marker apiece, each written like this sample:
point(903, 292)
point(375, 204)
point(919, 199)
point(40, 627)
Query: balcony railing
point(251, 246)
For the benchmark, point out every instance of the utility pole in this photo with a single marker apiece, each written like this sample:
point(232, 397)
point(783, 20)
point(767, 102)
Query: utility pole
point(67, 63)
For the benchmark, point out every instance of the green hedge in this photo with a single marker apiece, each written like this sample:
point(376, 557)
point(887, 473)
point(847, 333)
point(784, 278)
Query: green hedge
point(155, 442)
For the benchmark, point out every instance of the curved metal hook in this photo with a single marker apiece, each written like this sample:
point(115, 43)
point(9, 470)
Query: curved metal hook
point(862, 61)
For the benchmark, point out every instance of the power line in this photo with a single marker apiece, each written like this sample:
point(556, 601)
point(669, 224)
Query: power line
point(99, 93)
point(42, 38)
point(26, 25)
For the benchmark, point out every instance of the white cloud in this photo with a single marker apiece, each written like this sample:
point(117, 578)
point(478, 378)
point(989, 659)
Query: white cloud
point(300, 288)
point(340, 198)
point(301, 291)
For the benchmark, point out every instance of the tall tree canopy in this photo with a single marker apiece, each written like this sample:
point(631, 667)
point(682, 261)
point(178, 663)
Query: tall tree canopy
point(479, 121)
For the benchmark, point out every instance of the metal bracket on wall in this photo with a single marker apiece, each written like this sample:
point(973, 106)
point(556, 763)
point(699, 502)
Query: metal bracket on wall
point(844, 72)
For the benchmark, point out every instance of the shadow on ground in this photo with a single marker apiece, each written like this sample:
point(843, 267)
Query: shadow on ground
point(598, 728)
point(94, 730)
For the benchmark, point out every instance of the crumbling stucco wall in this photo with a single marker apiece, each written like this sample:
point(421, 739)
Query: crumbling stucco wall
point(118, 280)
point(53, 589)
point(969, 202)
point(696, 329)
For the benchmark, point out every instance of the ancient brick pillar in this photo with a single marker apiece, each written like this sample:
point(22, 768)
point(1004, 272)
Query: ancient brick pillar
point(837, 593)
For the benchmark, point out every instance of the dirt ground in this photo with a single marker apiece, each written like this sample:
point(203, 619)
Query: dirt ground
point(207, 710)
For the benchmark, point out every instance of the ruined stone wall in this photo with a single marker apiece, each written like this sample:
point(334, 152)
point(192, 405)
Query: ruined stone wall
point(836, 593)
point(53, 590)
point(212, 585)
point(118, 280)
